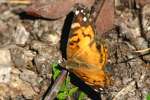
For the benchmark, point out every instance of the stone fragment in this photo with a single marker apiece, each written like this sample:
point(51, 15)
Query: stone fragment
point(22, 57)
point(146, 21)
point(5, 65)
point(21, 35)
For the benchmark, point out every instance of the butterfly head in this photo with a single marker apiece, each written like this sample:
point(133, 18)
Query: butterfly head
point(82, 15)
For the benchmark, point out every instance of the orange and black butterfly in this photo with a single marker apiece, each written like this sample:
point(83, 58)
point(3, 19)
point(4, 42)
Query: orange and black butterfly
point(86, 56)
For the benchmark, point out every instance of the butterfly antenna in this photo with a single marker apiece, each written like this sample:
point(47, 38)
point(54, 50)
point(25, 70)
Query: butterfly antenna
point(95, 9)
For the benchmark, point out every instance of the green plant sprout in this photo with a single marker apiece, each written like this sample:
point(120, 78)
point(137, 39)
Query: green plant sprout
point(148, 96)
point(66, 89)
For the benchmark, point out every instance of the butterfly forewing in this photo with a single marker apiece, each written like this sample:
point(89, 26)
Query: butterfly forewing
point(84, 59)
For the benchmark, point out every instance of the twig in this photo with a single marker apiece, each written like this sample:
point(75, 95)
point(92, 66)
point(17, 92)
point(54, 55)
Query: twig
point(141, 55)
point(52, 93)
point(143, 50)
point(125, 90)
point(96, 8)
point(25, 2)
point(132, 4)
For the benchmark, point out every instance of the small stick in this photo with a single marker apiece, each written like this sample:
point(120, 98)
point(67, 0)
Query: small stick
point(132, 4)
point(141, 55)
point(143, 50)
point(25, 2)
point(52, 93)
point(125, 90)
point(96, 8)
point(20, 2)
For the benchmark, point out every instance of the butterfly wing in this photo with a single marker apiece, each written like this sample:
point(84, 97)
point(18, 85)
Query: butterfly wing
point(84, 59)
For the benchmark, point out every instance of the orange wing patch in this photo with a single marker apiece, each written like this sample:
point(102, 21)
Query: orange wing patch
point(85, 57)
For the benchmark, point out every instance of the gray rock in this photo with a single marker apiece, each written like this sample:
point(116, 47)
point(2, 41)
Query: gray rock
point(141, 43)
point(52, 38)
point(20, 35)
point(5, 65)
point(146, 20)
point(46, 55)
point(22, 57)
point(28, 76)
point(20, 84)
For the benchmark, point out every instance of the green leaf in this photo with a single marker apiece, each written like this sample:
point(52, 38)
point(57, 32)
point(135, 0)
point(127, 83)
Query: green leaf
point(62, 96)
point(66, 88)
point(67, 80)
point(63, 87)
point(72, 91)
point(148, 97)
point(81, 96)
point(56, 74)
point(56, 71)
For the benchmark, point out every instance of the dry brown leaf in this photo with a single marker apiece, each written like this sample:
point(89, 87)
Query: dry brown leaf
point(105, 19)
point(59, 8)
point(55, 9)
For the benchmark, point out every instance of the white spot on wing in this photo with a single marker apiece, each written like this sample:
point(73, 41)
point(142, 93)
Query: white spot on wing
point(84, 19)
point(82, 10)
point(77, 12)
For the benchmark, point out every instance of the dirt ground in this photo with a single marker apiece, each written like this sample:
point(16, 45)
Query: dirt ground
point(29, 45)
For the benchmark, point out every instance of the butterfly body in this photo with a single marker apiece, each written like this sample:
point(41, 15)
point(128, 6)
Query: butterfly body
point(86, 58)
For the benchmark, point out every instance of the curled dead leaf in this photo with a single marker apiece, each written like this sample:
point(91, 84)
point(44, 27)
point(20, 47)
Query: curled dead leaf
point(105, 19)
point(55, 9)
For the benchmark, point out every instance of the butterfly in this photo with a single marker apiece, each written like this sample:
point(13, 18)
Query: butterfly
point(86, 56)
